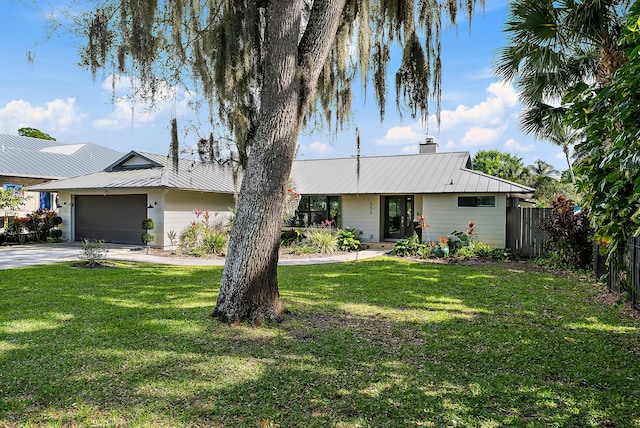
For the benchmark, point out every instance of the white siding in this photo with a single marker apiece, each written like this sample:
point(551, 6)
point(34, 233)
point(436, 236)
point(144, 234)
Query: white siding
point(444, 216)
point(363, 213)
point(179, 206)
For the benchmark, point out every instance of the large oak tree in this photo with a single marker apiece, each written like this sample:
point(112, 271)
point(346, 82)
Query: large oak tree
point(264, 68)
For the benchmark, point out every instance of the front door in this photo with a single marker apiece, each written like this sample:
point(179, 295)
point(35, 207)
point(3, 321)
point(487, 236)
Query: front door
point(398, 216)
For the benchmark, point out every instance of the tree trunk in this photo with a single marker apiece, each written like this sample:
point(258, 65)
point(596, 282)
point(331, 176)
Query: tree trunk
point(249, 285)
point(565, 149)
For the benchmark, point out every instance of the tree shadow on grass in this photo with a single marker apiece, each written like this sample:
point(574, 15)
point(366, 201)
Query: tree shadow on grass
point(362, 348)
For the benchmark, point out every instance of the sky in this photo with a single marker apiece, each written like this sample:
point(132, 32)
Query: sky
point(53, 94)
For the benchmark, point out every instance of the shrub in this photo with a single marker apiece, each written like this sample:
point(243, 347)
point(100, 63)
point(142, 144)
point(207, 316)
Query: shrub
point(290, 237)
point(457, 240)
point(213, 242)
point(410, 246)
point(321, 239)
point(93, 252)
point(348, 239)
point(569, 234)
point(55, 233)
point(475, 249)
point(148, 224)
point(55, 220)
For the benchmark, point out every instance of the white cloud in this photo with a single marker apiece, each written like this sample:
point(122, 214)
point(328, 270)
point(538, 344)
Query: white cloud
point(402, 135)
point(513, 145)
point(477, 136)
point(319, 147)
point(491, 112)
point(57, 116)
point(504, 92)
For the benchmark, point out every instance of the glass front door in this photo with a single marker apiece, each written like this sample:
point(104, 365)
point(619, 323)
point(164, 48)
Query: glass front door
point(398, 217)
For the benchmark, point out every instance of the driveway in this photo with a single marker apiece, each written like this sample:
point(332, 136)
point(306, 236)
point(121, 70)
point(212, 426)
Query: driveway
point(36, 254)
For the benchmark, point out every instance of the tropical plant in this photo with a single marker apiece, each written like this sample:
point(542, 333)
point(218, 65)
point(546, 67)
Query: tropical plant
point(608, 166)
point(554, 45)
point(456, 240)
point(408, 247)
point(321, 239)
point(290, 237)
point(569, 234)
point(503, 165)
point(348, 239)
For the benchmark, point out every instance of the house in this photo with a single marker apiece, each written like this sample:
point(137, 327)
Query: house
point(26, 161)
point(382, 201)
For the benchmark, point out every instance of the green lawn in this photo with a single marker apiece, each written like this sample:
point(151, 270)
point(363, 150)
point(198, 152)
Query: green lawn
point(376, 343)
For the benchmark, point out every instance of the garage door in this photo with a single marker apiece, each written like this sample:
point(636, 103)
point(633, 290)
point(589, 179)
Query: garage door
point(114, 218)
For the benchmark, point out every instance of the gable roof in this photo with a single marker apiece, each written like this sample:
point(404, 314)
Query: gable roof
point(418, 174)
point(147, 170)
point(35, 158)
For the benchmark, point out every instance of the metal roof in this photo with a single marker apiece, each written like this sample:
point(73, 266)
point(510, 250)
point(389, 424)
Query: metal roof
point(35, 158)
point(150, 171)
point(417, 174)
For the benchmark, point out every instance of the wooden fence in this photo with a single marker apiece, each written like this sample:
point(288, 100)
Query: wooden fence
point(624, 278)
point(524, 235)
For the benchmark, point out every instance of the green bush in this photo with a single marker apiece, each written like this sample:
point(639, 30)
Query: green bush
point(410, 246)
point(290, 237)
point(321, 239)
point(55, 233)
point(148, 224)
point(56, 220)
point(457, 240)
point(475, 249)
point(348, 239)
point(213, 242)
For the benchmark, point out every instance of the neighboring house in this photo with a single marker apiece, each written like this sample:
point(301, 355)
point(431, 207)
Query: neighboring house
point(383, 202)
point(26, 161)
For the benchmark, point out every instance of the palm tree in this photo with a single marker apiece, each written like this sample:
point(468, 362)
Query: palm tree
point(566, 137)
point(554, 45)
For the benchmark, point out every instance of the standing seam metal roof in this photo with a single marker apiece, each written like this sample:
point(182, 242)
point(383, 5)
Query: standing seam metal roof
point(417, 174)
point(32, 157)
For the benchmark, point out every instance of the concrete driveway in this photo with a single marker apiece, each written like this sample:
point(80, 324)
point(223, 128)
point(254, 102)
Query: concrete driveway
point(36, 254)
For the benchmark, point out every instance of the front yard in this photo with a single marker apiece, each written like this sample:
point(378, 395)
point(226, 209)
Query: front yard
point(384, 342)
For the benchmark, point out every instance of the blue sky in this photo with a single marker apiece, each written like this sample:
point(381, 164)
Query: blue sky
point(57, 97)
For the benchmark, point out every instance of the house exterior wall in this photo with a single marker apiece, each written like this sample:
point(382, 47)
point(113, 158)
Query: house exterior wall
point(444, 216)
point(363, 213)
point(179, 206)
point(172, 209)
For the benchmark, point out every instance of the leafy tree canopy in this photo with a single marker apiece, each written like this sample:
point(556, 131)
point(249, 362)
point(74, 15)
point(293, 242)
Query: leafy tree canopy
point(503, 165)
point(10, 200)
point(34, 133)
point(608, 166)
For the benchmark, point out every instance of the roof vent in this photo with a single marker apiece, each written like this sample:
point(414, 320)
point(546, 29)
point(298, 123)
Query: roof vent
point(429, 146)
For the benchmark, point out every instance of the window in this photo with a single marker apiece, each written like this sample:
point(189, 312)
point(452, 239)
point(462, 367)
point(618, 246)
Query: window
point(476, 201)
point(315, 209)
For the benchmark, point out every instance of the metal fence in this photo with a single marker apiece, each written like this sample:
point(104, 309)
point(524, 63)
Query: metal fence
point(622, 278)
point(524, 235)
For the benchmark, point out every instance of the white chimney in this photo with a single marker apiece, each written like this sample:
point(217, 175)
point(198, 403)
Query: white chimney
point(429, 146)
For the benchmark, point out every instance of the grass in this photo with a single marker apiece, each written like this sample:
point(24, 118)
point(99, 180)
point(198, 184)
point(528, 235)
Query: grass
point(380, 343)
